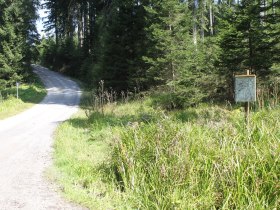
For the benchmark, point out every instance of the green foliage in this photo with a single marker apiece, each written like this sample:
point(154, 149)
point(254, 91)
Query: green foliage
point(191, 49)
point(119, 57)
point(249, 37)
point(187, 68)
point(17, 35)
point(65, 57)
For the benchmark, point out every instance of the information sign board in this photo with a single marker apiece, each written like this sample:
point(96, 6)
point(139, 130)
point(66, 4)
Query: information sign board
point(245, 88)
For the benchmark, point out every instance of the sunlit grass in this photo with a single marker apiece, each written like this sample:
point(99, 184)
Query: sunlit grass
point(82, 157)
point(134, 156)
point(195, 165)
point(29, 95)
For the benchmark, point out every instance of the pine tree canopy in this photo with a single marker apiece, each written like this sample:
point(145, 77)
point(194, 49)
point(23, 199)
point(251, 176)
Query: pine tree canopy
point(187, 49)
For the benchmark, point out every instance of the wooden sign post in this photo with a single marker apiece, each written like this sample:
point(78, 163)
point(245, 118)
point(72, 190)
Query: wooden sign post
point(17, 84)
point(245, 91)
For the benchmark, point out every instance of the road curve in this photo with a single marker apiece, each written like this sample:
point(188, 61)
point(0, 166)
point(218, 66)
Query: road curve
point(26, 147)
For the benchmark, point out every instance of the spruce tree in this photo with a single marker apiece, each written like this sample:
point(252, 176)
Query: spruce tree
point(17, 35)
point(121, 45)
point(175, 59)
point(249, 38)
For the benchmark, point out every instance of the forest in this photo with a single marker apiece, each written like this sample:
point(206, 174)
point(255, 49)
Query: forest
point(158, 127)
point(18, 37)
point(188, 50)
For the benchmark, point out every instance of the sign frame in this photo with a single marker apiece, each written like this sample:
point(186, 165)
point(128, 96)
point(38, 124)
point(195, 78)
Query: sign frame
point(245, 88)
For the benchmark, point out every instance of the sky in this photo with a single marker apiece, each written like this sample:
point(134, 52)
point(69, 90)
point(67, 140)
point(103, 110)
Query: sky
point(39, 22)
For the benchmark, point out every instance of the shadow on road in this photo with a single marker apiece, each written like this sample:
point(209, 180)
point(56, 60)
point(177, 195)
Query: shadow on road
point(61, 89)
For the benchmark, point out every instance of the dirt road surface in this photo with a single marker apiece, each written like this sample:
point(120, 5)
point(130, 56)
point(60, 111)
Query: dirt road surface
point(26, 147)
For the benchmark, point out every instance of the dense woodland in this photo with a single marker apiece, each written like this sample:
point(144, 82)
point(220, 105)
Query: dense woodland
point(188, 50)
point(18, 37)
point(143, 154)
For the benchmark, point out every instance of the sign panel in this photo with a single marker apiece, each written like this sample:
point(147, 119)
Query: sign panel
point(245, 88)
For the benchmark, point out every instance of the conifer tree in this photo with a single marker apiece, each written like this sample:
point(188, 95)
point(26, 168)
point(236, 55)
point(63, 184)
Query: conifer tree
point(17, 35)
point(175, 59)
point(249, 38)
point(121, 45)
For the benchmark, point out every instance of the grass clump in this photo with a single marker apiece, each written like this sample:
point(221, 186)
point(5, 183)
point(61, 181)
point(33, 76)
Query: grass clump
point(30, 93)
point(82, 161)
point(171, 165)
point(137, 156)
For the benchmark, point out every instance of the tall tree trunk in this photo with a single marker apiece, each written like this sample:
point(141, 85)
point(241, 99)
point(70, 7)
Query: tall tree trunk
point(263, 12)
point(194, 23)
point(70, 32)
point(171, 62)
point(56, 24)
point(91, 25)
point(80, 25)
point(273, 7)
point(250, 51)
point(211, 18)
point(86, 27)
point(202, 21)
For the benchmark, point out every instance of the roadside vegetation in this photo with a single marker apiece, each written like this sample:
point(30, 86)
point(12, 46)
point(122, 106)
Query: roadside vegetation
point(136, 154)
point(30, 92)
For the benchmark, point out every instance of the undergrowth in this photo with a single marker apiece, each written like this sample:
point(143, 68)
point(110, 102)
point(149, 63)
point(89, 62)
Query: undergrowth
point(201, 165)
point(137, 156)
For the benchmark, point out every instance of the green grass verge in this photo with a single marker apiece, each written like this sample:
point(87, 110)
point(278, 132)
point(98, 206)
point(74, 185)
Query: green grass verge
point(29, 94)
point(135, 156)
point(81, 159)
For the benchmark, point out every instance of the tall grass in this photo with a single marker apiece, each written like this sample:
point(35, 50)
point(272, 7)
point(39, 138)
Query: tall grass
point(192, 165)
point(198, 158)
point(268, 95)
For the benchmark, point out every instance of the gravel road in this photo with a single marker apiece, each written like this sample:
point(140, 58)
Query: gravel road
point(26, 147)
